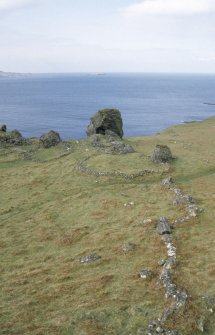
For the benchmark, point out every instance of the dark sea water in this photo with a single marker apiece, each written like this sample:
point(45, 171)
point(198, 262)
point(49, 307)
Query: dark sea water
point(149, 103)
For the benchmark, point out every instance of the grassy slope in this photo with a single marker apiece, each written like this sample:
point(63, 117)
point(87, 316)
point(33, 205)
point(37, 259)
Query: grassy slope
point(51, 214)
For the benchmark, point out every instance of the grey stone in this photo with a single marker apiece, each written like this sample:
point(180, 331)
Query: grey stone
point(168, 312)
point(106, 120)
point(128, 246)
point(89, 258)
point(145, 273)
point(167, 238)
point(152, 325)
point(181, 199)
point(200, 325)
point(162, 262)
point(168, 181)
point(162, 154)
point(120, 147)
point(181, 220)
point(50, 139)
point(163, 226)
point(170, 262)
point(193, 210)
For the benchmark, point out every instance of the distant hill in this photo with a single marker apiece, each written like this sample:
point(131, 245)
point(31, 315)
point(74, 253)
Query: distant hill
point(11, 74)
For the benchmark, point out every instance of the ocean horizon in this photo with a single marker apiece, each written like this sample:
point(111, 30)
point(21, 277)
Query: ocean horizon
point(148, 102)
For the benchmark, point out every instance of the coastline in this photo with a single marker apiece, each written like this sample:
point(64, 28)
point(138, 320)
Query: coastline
point(148, 104)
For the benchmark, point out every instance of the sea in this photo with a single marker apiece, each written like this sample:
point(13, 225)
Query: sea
point(149, 103)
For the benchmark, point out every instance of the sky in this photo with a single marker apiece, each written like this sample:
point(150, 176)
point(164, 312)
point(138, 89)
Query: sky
point(107, 36)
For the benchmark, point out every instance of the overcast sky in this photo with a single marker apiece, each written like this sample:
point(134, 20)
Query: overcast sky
point(107, 35)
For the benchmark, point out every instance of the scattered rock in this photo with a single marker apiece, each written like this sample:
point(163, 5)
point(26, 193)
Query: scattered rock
point(170, 262)
point(193, 210)
point(168, 181)
point(145, 273)
point(163, 226)
point(159, 330)
point(162, 154)
point(110, 145)
point(146, 221)
point(168, 312)
point(181, 199)
point(171, 250)
point(89, 259)
point(3, 127)
point(131, 203)
point(128, 246)
point(50, 139)
point(181, 220)
point(200, 325)
point(152, 325)
point(162, 262)
point(167, 238)
point(106, 120)
point(120, 147)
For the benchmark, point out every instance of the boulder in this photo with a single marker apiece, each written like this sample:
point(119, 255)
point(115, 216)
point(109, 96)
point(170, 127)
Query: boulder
point(163, 226)
point(50, 139)
point(104, 121)
point(3, 127)
point(13, 137)
point(162, 154)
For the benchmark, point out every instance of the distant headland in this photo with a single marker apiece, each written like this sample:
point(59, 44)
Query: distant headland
point(4, 74)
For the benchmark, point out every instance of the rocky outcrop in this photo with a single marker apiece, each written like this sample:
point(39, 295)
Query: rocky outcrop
point(104, 121)
point(162, 154)
point(3, 127)
point(13, 137)
point(50, 139)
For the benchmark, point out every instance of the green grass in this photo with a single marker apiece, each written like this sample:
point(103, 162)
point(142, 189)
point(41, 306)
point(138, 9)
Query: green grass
point(51, 214)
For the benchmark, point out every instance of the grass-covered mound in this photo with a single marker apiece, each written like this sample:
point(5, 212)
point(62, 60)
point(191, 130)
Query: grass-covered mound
point(52, 213)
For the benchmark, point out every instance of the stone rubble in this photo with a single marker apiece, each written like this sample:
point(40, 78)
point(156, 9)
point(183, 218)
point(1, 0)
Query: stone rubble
point(145, 273)
point(81, 167)
point(177, 297)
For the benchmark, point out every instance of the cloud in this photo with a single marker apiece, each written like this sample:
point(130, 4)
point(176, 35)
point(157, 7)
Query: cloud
point(170, 7)
point(7, 5)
